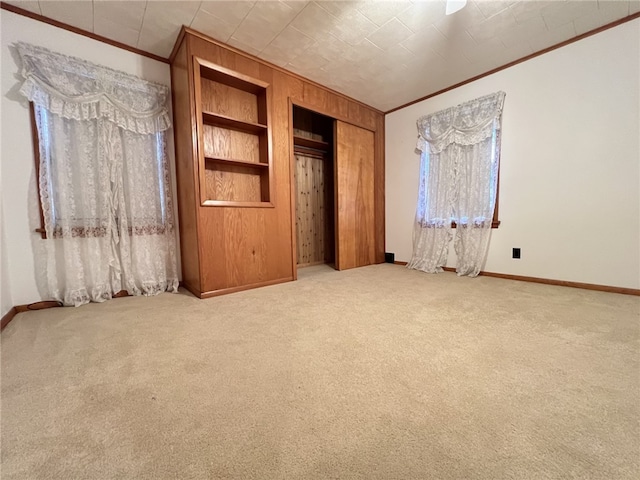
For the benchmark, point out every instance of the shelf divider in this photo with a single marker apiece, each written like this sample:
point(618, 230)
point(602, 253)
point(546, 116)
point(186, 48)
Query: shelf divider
point(233, 161)
point(310, 143)
point(216, 120)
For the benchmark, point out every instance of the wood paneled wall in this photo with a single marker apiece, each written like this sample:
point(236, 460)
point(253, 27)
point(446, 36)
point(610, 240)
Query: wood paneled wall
point(242, 247)
point(314, 209)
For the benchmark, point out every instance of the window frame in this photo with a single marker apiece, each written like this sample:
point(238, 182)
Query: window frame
point(35, 137)
point(495, 222)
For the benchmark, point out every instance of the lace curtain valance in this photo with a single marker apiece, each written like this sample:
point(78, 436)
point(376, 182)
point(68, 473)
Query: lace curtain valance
point(79, 90)
point(460, 157)
point(104, 177)
point(464, 124)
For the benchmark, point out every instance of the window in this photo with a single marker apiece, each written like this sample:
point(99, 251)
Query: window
point(103, 178)
point(458, 184)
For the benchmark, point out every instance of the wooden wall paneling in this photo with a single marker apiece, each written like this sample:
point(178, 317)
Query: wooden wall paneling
point(312, 214)
point(292, 180)
point(337, 221)
point(315, 96)
point(224, 143)
point(338, 105)
point(266, 115)
point(354, 119)
point(185, 150)
point(246, 247)
point(281, 256)
point(329, 201)
point(379, 190)
point(301, 182)
point(198, 127)
point(302, 123)
point(276, 69)
point(355, 166)
point(233, 183)
point(360, 115)
point(355, 114)
point(368, 120)
point(228, 101)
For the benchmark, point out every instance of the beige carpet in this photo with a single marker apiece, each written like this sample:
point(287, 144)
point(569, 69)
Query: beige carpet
point(373, 373)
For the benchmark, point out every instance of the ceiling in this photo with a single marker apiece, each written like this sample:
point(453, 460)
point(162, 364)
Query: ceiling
point(383, 53)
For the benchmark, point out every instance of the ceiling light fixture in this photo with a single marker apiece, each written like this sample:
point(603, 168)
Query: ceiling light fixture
point(454, 5)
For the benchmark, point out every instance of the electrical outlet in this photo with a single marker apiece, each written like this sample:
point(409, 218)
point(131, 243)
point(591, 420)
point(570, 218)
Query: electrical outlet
point(516, 253)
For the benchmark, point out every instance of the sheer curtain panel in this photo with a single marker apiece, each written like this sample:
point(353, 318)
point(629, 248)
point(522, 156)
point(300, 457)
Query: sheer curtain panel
point(104, 178)
point(460, 157)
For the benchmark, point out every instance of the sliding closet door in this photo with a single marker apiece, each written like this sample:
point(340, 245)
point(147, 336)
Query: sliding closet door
point(355, 232)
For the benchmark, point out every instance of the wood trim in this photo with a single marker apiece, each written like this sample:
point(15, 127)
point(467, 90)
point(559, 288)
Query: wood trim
point(495, 223)
point(199, 130)
point(520, 60)
point(27, 308)
point(196, 148)
point(380, 195)
point(292, 194)
point(312, 264)
point(230, 123)
point(232, 203)
point(176, 46)
point(549, 281)
point(38, 306)
point(309, 152)
point(207, 38)
point(79, 31)
point(225, 291)
point(191, 289)
point(336, 216)
point(305, 142)
point(7, 317)
point(234, 161)
point(332, 115)
point(234, 79)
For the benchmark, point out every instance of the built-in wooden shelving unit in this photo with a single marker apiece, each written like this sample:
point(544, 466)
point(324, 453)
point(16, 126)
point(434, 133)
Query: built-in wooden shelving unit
point(233, 124)
point(237, 161)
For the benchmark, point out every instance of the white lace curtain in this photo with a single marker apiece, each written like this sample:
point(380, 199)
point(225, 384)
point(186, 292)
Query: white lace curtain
point(460, 156)
point(104, 178)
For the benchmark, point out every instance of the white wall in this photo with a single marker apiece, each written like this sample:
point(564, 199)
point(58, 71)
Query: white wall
point(19, 197)
point(6, 300)
point(570, 172)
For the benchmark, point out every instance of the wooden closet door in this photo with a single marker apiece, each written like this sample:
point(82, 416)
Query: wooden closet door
point(355, 225)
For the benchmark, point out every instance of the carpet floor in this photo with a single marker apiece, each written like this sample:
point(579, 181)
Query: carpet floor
point(373, 373)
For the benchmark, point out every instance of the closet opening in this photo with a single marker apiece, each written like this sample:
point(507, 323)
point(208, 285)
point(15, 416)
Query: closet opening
point(313, 149)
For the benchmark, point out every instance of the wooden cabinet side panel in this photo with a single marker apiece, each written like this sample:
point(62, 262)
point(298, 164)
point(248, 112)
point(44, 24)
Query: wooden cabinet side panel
point(283, 254)
point(244, 245)
point(355, 167)
point(379, 191)
point(185, 136)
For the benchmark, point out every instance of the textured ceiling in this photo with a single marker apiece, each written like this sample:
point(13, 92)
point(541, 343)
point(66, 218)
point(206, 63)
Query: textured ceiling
point(383, 53)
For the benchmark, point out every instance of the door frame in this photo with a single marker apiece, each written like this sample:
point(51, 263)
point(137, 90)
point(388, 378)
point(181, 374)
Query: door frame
point(292, 165)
